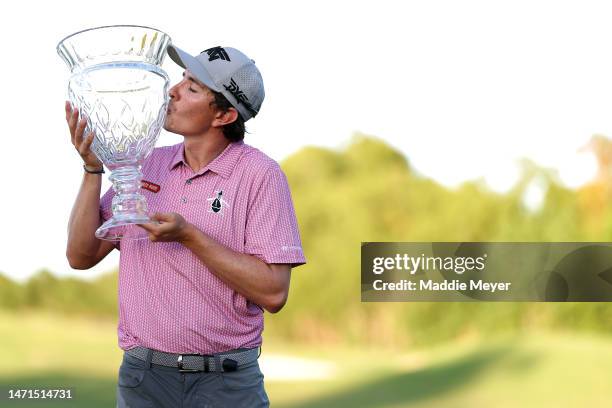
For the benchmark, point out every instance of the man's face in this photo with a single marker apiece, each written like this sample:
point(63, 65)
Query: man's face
point(189, 111)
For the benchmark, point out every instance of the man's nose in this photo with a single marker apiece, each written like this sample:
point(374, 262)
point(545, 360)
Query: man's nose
point(172, 92)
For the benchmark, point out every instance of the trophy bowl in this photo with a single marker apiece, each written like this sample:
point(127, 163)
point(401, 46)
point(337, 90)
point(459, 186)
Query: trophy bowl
point(117, 83)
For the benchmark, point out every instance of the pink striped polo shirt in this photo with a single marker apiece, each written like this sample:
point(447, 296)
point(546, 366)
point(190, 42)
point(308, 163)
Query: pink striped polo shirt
point(168, 299)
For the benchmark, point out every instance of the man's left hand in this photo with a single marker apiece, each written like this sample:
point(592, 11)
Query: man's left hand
point(167, 227)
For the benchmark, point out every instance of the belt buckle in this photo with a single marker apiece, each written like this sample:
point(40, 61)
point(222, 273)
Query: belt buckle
point(187, 370)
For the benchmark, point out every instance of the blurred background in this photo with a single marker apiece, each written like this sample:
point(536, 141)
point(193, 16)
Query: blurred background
point(445, 121)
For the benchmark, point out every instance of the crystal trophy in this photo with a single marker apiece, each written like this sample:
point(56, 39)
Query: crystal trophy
point(118, 85)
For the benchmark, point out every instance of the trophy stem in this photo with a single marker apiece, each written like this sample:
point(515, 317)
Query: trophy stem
point(129, 207)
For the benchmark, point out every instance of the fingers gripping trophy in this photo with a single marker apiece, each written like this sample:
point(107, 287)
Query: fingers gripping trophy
point(118, 99)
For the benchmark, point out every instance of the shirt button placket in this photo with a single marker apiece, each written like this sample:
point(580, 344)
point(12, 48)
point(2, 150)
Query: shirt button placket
point(184, 199)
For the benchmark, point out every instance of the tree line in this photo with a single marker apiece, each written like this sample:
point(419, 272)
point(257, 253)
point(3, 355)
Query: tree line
point(368, 191)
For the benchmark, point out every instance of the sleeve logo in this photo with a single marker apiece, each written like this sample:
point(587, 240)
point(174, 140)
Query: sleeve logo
point(147, 185)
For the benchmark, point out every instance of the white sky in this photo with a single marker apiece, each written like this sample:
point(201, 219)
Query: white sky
point(463, 88)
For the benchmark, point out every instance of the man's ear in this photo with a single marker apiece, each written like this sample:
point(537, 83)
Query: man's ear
point(223, 118)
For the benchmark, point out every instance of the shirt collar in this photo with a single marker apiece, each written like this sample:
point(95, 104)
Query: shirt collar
point(223, 164)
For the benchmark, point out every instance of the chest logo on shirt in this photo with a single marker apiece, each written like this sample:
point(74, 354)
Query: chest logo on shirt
point(217, 203)
point(147, 185)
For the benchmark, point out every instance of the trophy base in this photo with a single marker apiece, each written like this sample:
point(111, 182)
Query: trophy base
point(122, 228)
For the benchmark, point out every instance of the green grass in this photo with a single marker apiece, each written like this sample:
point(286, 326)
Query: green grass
point(537, 371)
point(532, 370)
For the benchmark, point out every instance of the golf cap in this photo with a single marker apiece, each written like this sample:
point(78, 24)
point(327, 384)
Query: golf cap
point(229, 71)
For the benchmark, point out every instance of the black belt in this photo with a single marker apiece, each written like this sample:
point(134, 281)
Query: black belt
point(192, 363)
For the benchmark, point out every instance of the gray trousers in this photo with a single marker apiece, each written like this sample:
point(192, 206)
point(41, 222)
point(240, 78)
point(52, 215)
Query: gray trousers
point(142, 384)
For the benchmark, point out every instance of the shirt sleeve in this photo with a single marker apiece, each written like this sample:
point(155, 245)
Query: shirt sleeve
point(272, 233)
point(106, 211)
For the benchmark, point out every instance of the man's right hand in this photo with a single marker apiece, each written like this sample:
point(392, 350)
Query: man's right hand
point(81, 144)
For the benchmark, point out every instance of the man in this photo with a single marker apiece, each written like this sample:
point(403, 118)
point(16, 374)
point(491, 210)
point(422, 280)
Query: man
point(191, 297)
